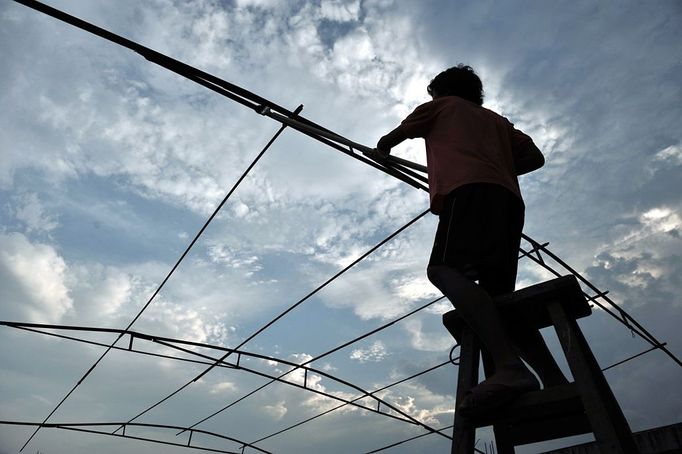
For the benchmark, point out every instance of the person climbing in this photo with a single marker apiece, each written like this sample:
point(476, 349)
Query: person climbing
point(473, 158)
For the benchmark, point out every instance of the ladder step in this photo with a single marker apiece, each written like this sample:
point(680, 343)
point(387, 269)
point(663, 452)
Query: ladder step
point(528, 306)
point(540, 415)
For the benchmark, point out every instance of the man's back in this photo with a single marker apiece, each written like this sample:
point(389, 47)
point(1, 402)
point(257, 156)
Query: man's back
point(465, 143)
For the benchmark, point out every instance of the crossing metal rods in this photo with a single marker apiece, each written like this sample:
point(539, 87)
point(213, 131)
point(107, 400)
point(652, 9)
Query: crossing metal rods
point(320, 356)
point(403, 170)
point(233, 92)
point(535, 254)
point(170, 343)
point(163, 283)
point(237, 365)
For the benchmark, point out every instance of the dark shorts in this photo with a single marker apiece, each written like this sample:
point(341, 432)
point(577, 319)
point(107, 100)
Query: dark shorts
point(479, 233)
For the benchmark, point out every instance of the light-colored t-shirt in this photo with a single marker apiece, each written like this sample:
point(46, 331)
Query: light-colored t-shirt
point(465, 143)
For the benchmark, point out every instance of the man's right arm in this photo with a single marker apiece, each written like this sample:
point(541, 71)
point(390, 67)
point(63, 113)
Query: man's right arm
point(527, 156)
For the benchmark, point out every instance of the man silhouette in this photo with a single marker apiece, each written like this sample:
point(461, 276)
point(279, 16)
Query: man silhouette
point(473, 158)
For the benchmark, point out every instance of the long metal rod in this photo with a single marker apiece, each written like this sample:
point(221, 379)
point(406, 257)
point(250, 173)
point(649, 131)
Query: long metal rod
point(230, 90)
point(78, 426)
point(337, 138)
point(630, 358)
point(394, 166)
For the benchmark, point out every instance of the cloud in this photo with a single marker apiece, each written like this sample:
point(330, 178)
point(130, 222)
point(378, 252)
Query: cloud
point(276, 411)
point(99, 291)
point(97, 135)
point(187, 323)
point(424, 405)
point(32, 212)
point(340, 10)
point(33, 279)
point(670, 155)
point(224, 387)
point(374, 353)
point(426, 339)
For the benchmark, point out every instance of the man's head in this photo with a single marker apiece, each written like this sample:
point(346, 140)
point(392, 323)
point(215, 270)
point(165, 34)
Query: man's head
point(460, 80)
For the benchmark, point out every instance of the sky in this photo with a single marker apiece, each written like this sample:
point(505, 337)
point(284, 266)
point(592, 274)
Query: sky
point(110, 165)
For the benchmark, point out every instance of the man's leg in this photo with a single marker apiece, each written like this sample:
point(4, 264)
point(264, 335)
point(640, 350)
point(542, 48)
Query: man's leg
point(477, 309)
point(533, 349)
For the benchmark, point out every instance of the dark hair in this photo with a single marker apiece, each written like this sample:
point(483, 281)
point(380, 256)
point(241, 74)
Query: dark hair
point(460, 80)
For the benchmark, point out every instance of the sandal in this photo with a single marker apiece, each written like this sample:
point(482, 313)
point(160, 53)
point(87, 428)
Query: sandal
point(486, 397)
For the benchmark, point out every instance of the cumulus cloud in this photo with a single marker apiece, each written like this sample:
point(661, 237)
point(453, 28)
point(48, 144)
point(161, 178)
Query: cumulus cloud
point(276, 411)
point(422, 403)
point(100, 291)
point(188, 323)
point(670, 155)
point(33, 280)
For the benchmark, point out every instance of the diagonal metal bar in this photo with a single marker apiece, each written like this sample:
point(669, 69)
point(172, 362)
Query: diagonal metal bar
point(393, 445)
point(232, 91)
point(630, 358)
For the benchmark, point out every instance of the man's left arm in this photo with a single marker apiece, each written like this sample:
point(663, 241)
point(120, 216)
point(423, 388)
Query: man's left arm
point(390, 140)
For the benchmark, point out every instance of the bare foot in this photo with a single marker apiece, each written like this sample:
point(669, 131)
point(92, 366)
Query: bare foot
point(517, 377)
point(497, 391)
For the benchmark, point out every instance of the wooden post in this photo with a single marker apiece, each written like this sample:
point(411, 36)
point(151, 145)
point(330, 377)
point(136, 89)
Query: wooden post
point(608, 423)
point(464, 433)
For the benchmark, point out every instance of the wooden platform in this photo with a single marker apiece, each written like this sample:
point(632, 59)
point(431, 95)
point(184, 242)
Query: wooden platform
point(529, 305)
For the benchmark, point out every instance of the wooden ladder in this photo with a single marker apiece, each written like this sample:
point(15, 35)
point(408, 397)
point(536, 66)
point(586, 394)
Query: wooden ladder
point(584, 406)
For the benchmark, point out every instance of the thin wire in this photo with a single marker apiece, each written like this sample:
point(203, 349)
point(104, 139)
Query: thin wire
point(163, 283)
point(656, 347)
point(414, 438)
point(317, 358)
point(626, 318)
point(292, 307)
